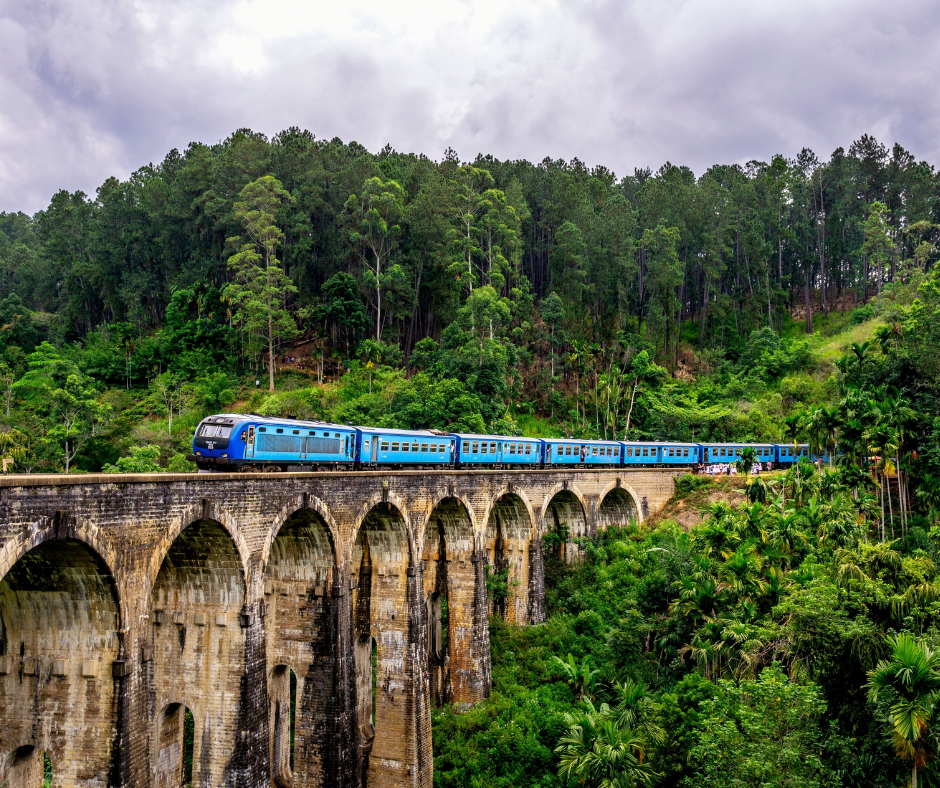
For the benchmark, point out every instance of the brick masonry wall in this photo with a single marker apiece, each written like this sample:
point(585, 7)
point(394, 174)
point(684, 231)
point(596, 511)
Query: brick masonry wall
point(205, 592)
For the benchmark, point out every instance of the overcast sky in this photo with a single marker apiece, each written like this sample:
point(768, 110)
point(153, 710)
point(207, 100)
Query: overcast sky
point(94, 88)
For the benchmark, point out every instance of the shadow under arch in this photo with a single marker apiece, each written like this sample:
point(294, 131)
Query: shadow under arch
point(47, 529)
point(382, 577)
point(456, 605)
point(510, 527)
point(200, 643)
point(302, 502)
point(303, 629)
point(205, 511)
point(618, 507)
point(59, 634)
point(565, 515)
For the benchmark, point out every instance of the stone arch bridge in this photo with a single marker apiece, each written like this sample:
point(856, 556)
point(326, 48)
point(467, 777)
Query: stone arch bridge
point(285, 629)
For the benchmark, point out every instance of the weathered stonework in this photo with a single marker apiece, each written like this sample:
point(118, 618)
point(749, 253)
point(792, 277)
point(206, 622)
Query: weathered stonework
point(131, 604)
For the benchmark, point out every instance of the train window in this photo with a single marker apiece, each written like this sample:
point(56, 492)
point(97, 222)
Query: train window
point(424, 447)
point(646, 451)
point(476, 447)
point(384, 446)
point(296, 432)
point(405, 447)
point(262, 429)
point(414, 446)
point(629, 451)
point(594, 450)
point(528, 448)
point(279, 431)
point(215, 431)
point(616, 451)
point(394, 447)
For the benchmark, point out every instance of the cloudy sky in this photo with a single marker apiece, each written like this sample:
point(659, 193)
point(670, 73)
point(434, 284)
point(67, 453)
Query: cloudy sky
point(94, 88)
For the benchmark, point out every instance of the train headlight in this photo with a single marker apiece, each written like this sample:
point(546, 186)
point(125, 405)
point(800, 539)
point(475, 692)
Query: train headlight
point(198, 453)
point(225, 455)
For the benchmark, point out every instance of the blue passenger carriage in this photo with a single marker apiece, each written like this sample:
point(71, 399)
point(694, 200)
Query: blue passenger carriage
point(378, 446)
point(641, 454)
point(497, 450)
point(602, 453)
point(787, 453)
point(679, 453)
point(726, 453)
point(565, 451)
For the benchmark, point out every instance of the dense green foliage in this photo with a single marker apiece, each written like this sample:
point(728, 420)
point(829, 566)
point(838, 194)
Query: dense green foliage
point(745, 651)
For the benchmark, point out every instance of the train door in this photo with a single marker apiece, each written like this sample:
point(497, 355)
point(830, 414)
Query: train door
point(375, 448)
point(303, 448)
point(250, 443)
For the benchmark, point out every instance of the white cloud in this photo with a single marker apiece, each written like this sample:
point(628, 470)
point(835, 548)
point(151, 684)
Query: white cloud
point(93, 88)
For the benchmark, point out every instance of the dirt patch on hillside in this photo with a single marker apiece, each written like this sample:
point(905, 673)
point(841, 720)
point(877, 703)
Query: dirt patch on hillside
point(685, 508)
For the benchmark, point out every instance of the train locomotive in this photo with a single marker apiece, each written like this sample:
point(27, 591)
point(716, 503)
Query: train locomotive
point(252, 443)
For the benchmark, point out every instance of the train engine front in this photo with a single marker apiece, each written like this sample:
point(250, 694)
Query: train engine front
point(217, 445)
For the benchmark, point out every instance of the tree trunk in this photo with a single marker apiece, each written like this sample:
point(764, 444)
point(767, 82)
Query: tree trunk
point(809, 308)
point(626, 432)
point(270, 353)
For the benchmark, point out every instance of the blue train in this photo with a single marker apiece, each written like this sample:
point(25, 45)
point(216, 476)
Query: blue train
point(232, 441)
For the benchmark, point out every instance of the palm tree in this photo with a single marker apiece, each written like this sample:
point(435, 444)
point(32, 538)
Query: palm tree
point(581, 678)
point(746, 461)
point(636, 709)
point(596, 752)
point(909, 683)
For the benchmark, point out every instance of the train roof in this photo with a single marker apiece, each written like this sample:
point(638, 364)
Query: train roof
point(472, 435)
point(581, 440)
point(740, 443)
point(409, 433)
point(660, 443)
point(273, 420)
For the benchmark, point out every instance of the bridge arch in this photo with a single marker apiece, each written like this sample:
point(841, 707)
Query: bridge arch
point(298, 503)
point(455, 603)
point(565, 507)
point(617, 505)
point(45, 529)
point(510, 529)
point(206, 510)
point(199, 626)
point(380, 565)
point(174, 749)
point(559, 499)
point(301, 637)
point(59, 635)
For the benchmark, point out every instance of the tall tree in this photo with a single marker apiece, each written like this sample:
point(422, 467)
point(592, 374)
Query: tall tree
point(373, 220)
point(261, 288)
